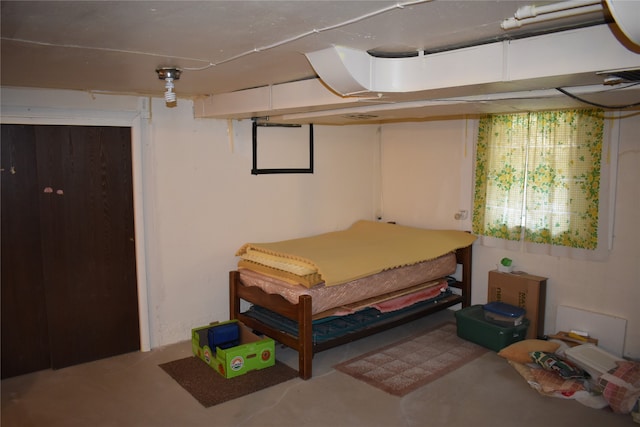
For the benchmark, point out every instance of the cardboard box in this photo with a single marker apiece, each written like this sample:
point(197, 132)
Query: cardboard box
point(253, 352)
point(522, 290)
point(471, 325)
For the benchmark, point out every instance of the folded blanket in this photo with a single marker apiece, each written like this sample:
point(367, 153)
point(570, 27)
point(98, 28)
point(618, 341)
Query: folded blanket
point(308, 280)
point(390, 301)
point(365, 248)
point(407, 300)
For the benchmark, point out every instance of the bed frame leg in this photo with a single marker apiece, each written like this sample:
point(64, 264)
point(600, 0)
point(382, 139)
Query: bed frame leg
point(464, 257)
point(234, 301)
point(305, 337)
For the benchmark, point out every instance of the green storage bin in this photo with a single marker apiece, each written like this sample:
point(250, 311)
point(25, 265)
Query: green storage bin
point(472, 326)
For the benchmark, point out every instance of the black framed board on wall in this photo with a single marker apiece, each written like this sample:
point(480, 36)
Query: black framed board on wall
point(282, 148)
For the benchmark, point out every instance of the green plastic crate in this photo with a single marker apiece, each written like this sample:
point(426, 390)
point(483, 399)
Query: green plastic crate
point(472, 326)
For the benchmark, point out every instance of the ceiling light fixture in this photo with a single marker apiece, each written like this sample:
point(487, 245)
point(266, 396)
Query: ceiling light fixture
point(169, 74)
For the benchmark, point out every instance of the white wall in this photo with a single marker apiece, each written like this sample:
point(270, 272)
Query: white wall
point(204, 204)
point(427, 169)
point(426, 173)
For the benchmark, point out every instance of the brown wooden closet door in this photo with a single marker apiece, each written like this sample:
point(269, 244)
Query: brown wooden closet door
point(88, 248)
point(25, 339)
point(70, 240)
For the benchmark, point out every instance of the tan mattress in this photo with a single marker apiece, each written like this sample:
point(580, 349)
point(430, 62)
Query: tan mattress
point(364, 249)
point(330, 300)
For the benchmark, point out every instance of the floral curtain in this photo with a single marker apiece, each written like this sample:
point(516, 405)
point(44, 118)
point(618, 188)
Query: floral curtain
point(537, 177)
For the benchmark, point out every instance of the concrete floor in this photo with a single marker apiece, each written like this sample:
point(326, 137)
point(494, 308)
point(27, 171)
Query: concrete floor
point(131, 390)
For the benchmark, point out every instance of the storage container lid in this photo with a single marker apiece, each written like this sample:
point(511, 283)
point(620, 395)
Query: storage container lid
point(592, 358)
point(504, 309)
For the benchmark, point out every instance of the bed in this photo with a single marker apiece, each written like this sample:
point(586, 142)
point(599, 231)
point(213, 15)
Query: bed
point(318, 292)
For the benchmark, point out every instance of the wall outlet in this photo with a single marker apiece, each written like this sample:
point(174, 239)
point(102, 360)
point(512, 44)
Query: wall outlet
point(461, 215)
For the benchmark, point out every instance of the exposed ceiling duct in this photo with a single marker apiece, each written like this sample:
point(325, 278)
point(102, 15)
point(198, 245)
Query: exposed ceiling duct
point(472, 80)
point(627, 17)
point(547, 68)
point(351, 72)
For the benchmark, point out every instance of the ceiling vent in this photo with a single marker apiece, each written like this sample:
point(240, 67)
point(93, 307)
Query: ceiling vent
point(621, 76)
point(628, 75)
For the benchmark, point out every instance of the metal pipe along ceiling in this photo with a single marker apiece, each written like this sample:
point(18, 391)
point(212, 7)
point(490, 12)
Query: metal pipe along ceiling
point(535, 14)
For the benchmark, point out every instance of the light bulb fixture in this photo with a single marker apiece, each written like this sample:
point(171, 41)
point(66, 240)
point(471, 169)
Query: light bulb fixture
point(169, 74)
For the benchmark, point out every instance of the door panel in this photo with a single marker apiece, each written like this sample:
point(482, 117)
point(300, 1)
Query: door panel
point(88, 247)
point(85, 199)
point(25, 340)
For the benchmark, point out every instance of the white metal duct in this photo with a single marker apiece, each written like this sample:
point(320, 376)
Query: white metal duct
point(349, 71)
point(626, 13)
point(525, 68)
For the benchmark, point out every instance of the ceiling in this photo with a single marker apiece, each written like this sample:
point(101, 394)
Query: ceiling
point(228, 49)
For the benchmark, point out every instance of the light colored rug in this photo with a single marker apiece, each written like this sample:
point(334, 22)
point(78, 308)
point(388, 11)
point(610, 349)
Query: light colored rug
point(404, 366)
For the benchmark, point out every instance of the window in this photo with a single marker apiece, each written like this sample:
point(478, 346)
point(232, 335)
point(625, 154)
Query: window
point(538, 177)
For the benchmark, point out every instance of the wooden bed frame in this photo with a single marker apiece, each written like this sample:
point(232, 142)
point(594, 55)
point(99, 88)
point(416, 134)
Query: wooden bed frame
point(301, 313)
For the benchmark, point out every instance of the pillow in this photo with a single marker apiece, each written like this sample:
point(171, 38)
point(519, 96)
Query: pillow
point(552, 362)
point(519, 351)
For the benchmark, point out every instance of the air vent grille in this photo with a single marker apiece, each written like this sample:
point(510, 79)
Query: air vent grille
point(625, 75)
point(629, 75)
